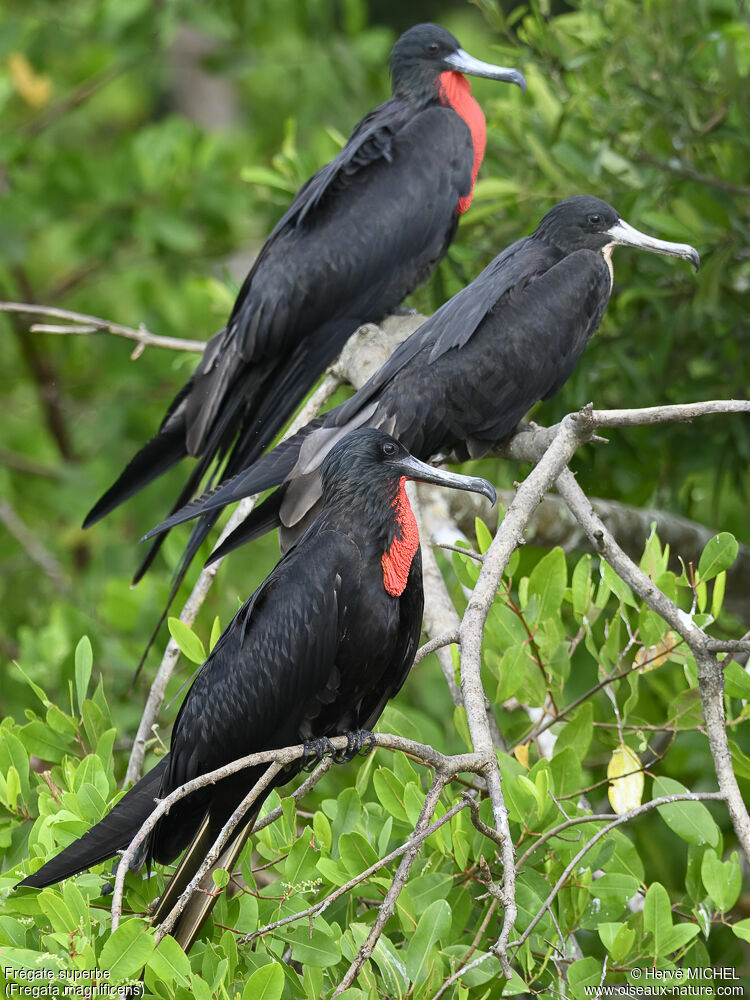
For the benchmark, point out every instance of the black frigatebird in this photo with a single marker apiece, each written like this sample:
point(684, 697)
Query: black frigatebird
point(462, 381)
point(359, 236)
point(317, 651)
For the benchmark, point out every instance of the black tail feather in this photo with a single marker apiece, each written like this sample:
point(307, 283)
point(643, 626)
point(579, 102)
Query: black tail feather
point(158, 455)
point(264, 518)
point(110, 835)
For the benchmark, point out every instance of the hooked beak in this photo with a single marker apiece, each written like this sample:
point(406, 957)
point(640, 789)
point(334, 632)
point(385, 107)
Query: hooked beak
point(627, 236)
point(462, 62)
point(412, 468)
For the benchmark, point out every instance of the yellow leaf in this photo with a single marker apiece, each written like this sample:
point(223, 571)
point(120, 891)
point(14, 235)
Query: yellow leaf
point(521, 753)
point(626, 779)
point(35, 88)
point(649, 657)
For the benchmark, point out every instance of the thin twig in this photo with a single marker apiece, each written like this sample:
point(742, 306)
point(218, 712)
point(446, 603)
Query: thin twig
point(317, 908)
point(399, 881)
point(663, 800)
point(83, 324)
point(597, 818)
point(447, 639)
point(218, 846)
point(31, 545)
point(420, 751)
point(710, 675)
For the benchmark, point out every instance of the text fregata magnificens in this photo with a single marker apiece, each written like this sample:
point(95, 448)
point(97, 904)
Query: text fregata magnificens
point(462, 381)
point(359, 236)
point(317, 651)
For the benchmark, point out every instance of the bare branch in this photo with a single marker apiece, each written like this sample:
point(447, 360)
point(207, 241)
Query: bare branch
point(440, 617)
point(31, 545)
point(440, 641)
point(674, 413)
point(710, 675)
point(420, 751)
point(572, 430)
point(218, 846)
point(555, 831)
point(663, 800)
point(83, 324)
point(399, 881)
point(317, 908)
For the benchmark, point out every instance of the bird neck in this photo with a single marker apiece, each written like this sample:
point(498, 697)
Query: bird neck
point(455, 92)
point(396, 560)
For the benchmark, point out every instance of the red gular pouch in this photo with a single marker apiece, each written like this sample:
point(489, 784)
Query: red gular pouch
point(455, 92)
point(397, 560)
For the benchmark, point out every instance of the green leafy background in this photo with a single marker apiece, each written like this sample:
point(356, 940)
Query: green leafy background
point(116, 201)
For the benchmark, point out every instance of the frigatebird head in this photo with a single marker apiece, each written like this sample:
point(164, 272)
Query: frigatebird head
point(425, 51)
point(368, 462)
point(586, 222)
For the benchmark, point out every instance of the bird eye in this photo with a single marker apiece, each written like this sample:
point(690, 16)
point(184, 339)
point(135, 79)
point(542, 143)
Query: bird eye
point(594, 220)
point(389, 448)
point(433, 47)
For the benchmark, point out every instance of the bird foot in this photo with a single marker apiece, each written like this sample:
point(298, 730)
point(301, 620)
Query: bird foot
point(358, 741)
point(315, 750)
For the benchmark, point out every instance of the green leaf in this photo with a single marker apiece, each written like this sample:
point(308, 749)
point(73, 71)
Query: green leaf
point(434, 925)
point(127, 950)
point(39, 739)
point(357, 854)
point(584, 975)
point(718, 555)
point(215, 633)
point(717, 597)
point(618, 587)
point(514, 986)
point(220, 878)
point(320, 949)
point(616, 886)
point(691, 821)
point(722, 879)
point(483, 533)
point(679, 936)
point(657, 918)
point(266, 983)
point(170, 963)
point(390, 792)
point(742, 929)
point(617, 938)
point(84, 659)
point(580, 587)
point(736, 680)
point(578, 732)
point(302, 859)
point(547, 583)
point(189, 643)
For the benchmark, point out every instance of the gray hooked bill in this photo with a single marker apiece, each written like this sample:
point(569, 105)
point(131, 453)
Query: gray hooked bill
point(626, 235)
point(412, 468)
point(462, 62)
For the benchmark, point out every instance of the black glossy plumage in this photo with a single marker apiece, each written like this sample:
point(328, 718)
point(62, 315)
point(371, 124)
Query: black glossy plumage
point(359, 236)
point(316, 651)
point(523, 324)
